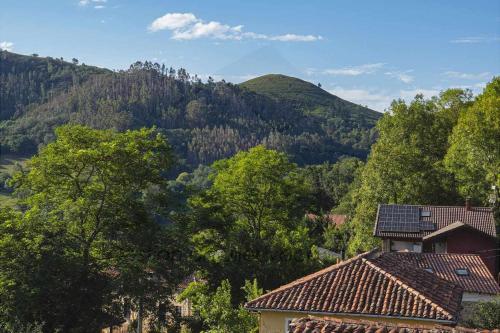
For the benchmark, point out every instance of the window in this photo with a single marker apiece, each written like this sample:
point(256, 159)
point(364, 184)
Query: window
point(462, 271)
point(429, 269)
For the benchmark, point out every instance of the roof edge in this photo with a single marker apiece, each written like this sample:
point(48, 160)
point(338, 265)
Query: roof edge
point(349, 314)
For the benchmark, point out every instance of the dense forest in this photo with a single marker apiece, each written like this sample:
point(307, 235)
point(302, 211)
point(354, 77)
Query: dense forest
point(203, 121)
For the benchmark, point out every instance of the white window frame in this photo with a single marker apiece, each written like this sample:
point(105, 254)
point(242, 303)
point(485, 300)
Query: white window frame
point(288, 321)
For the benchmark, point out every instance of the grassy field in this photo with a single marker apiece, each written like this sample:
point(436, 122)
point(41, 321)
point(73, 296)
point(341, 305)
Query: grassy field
point(8, 164)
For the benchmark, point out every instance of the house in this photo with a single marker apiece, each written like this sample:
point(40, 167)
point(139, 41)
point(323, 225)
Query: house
point(439, 229)
point(321, 325)
point(367, 286)
point(466, 270)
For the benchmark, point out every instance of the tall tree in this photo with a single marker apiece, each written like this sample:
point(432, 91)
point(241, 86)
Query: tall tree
point(86, 239)
point(405, 166)
point(251, 221)
point(474, 154)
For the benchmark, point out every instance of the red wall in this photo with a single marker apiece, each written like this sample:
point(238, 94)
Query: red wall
point(469, 241)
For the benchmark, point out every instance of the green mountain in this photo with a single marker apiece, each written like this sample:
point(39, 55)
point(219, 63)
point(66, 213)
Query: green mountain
point(305, 95)
point(204, 121)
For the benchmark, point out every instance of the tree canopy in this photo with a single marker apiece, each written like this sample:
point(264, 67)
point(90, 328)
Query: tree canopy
point(85, 239)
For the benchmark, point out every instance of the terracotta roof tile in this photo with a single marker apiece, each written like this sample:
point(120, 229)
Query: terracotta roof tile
point(318, 325)
point(333, 219)
point(365, 285)
point(445, 265)
point(479, 218)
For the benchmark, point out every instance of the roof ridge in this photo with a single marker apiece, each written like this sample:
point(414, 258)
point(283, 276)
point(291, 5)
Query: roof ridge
point(411, 289)
point(315, 274)
point(436, 254)
point(438, 206)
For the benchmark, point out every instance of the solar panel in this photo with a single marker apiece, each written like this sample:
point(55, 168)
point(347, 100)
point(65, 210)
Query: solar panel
point(427, 226)
point(399, 218)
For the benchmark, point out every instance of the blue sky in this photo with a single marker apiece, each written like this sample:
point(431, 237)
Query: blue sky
point(369, 52)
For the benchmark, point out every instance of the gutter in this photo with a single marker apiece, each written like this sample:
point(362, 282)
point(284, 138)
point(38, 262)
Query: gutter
point(347, 314)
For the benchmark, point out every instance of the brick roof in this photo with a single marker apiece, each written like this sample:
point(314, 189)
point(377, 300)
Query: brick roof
point(365, 285)
point(445, 265)
point(318, 325)
point(479, 218)
point(333, 219)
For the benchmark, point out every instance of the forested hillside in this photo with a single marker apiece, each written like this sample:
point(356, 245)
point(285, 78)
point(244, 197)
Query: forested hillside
point(204, 121)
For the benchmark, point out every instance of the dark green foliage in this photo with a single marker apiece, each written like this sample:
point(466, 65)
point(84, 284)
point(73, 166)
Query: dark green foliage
point(204, 122)
point(87, 237)
point(330, 182)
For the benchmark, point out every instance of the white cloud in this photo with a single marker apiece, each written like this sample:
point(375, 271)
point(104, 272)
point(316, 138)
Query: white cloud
point(99, 7)
point(468, 76)
point(475, 40)
point(186, 26)
point(409, 94)
point(84, 3)
point(355, 70)
point(6, 46)
point(401, 76)
point(380, 100)
point(172, 21)
point(377, 100)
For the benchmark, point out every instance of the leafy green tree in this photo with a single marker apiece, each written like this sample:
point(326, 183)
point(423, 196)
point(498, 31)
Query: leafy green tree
point(474, 154)
point(405, 166)
point(485, 315)
point(216, 309)
point(250, 221)
point(330, 182)
point(86, 239)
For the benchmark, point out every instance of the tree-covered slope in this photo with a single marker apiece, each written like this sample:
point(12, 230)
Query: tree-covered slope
point(204, 121)
point(26, 80)
point(306, 95)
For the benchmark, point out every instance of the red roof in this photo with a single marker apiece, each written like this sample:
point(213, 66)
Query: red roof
point(444, 265)
point(333, 219)
point(365, 285)
point(318, 325)
point(478, 218)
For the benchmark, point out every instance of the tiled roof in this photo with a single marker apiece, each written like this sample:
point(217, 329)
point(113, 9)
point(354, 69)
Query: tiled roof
point(479, 218)
point(365, 285)
point(318, 325)
point(445, 265)
point(333, 219)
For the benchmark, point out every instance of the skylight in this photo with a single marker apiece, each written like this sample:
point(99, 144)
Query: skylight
point(425, 213)
point(429, 269)
point(462, 271)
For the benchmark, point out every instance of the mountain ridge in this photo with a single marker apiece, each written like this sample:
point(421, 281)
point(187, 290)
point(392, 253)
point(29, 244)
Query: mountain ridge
point(204, 121)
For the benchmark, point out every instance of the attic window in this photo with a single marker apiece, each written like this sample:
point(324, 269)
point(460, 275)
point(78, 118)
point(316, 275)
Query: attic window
point(429, 269)
point(462, 271)
point(425, 213)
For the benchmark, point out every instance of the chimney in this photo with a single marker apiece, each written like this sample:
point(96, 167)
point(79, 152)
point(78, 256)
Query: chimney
point(468, 205)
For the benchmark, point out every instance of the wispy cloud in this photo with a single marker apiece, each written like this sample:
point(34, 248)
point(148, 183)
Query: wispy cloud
point(468, 76)
point(380, 100)
point(6, 46)
point(355, 70)
point(375, 99)
point(186, 26)
point(402, 76)
point(475, 40)
point(98, 4)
